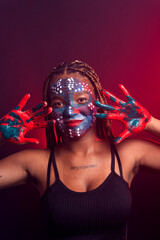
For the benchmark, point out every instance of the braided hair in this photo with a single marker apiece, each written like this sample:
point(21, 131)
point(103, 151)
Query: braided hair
point(103, 127)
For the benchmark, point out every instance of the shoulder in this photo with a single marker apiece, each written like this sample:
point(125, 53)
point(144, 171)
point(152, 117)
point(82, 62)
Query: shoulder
point(133, 147)
point(27, 156)
point(33, 161)
point(136, 150)
point(30, 155)
point(21, 167)
point(36, 164)
point(131, 152)
point(34, 157)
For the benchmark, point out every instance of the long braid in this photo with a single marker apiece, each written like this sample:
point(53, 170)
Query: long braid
point(103, 127)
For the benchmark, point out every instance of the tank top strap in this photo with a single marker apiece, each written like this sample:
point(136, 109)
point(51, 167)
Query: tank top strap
point(52, 160)
point(48, 170)
point(54, 165)
point(113, 153)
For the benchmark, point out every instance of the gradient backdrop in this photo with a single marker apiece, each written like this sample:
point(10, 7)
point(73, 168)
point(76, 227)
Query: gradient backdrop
point(120, 39)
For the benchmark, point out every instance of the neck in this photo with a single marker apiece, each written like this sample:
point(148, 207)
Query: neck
point(83, 145)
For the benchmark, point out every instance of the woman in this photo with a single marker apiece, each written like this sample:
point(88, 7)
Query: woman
point(82, 177)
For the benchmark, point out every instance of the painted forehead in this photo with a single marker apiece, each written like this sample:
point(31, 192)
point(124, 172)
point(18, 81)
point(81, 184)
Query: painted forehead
point(70, 85)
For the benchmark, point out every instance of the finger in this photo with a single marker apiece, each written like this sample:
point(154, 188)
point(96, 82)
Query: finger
point(16, 117)
point(104, 106)
point(36, 108)
point(113, 97)
point(30, 140)
point(42, 114)
point(101, 115)
point(44, 124)
point(23, 102)
point(126, 93)
point(122, 136)
point(112, 116)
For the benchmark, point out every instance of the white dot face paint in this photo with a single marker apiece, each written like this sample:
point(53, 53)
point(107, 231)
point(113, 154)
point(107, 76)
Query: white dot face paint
point(73, 108)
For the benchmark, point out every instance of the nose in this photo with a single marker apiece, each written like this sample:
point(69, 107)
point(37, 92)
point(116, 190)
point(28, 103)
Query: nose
point(70, 111)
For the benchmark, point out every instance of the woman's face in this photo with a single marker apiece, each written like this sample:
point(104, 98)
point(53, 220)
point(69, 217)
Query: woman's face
point(72, 102)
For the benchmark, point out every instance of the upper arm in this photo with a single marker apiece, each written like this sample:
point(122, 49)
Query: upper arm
point(149, 154)
point(14, 169)
point(136, 153)
point(139, 153)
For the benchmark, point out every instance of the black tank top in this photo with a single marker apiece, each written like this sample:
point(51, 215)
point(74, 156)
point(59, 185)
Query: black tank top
point(98, 214)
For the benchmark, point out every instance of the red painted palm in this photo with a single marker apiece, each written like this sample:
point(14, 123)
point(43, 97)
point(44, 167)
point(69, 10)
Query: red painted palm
point(130, 113)
point(17, 123)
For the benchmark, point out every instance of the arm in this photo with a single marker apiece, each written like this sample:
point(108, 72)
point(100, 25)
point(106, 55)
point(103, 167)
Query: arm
point(153, 126)
point(138, 153)
point(134, 116)
point(16, 169)
point(145, 153)
point(25, 166)
point(13, 169)
point(135, 119)
point(17, 123)
point(150, 150)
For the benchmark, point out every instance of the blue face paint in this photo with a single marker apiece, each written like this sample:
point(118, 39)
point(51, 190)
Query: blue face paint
point(72, 117)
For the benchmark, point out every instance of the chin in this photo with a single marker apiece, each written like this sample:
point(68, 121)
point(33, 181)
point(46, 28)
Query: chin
point(74, 137)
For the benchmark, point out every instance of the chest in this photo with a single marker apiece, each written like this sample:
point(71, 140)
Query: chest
point(82, 175)
point(102, 209)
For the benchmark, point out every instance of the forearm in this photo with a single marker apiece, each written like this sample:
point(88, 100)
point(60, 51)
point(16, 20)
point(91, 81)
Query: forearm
point(153, 126)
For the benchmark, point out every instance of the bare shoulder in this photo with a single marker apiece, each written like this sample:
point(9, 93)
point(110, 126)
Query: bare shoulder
point(131, 152)
point(134, 148)
point(136, 153)
point(35, 154)
point(128, 146)
point(28, 165)
point(29, 157)
point(35, 160)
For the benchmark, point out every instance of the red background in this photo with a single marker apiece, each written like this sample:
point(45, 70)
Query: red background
point(121, 41)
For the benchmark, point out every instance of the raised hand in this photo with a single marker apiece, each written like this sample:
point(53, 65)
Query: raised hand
point(16, 124)
point(130, 113)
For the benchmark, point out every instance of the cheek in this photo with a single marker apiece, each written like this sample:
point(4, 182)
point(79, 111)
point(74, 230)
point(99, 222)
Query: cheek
point(88, 109)
point(56, 113)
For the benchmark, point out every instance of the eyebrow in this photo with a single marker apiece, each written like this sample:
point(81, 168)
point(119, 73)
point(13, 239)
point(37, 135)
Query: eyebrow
point(77, 93)
point(81, 92)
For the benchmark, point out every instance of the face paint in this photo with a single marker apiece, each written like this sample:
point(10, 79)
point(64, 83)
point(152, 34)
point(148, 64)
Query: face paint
point(73, 116)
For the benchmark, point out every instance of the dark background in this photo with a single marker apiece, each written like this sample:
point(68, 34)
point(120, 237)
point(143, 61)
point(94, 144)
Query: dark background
point(121, 40)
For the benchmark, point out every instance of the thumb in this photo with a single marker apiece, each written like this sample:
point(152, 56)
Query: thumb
point(122, 136)
point(30, 140)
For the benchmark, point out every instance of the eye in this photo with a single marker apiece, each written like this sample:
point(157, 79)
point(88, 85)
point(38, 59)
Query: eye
point(57, 104)
point(82, 100)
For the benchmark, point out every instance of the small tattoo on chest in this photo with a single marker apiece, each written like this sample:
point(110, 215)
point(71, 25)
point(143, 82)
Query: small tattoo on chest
point(83, 167)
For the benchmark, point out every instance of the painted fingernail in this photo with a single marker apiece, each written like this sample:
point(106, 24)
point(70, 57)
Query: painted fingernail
point(95, 101)
point(117, 139)
point(50, 110)
point(44, 103)
point(101, 115)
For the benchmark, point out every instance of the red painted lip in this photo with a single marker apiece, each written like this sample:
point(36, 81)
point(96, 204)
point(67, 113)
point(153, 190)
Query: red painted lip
point(73, 123)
